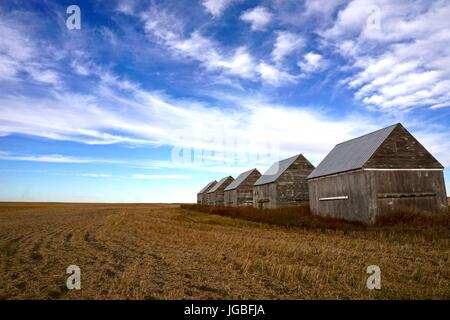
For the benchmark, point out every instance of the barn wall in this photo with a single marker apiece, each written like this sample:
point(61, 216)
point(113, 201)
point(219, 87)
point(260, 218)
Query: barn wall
point(230, 198)
point(210, 198)
point(204, 199)
point(396, 191)
point(265, 196)
point(244, 197)
point(219, 198)
point(354, 185)
point(199, 198)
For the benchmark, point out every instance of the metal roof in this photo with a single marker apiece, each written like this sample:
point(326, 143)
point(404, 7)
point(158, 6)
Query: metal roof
point(351, 154)
point(241, 178)
point(219, 184)
point(206, 188)
point(276, 170)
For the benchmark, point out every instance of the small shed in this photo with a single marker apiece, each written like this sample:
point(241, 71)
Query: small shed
point(201, 196)
point(215, 195)
point(283, 184)
point(239, 193)
point(378, 173)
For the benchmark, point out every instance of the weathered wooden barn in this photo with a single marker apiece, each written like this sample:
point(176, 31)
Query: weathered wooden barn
point(283, 184)
point(379, 173)
point(201, 196)
point(239, 193)
point(215, 195)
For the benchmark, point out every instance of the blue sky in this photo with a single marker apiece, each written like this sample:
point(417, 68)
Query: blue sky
point(150, 100)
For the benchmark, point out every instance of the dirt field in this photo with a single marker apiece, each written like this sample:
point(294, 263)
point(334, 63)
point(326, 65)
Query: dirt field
point(164, 252)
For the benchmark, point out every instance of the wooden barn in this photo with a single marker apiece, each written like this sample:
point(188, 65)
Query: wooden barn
point(201, 196)
point(239, 193)
point(283, 184)
point(215, 195)
point(379, 173)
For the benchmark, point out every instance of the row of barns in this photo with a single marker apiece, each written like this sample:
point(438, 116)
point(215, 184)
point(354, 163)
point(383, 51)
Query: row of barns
point(378, 173)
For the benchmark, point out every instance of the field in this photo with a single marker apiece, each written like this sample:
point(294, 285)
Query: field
point(137, 251)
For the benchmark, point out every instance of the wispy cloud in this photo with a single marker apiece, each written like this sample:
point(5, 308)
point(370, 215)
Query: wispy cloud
point(168, 30)
point(402, 63)
point(287, 43)
point(94, 175)
point(55, 158)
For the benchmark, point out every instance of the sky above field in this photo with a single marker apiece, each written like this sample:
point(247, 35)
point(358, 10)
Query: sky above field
point(150, 100)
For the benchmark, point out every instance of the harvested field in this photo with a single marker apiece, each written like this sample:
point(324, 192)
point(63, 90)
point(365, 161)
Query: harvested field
point(158, 251)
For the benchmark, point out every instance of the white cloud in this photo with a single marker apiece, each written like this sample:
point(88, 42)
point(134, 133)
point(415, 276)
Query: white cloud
point(238, 62)
point(94, 175)
point(322, 7)
point(286, 43)
point(54, 158)
point(19, 53)
point(216, 7)
point(405, 63)
point(312, 62)
point(274, 76)
point(258, 18)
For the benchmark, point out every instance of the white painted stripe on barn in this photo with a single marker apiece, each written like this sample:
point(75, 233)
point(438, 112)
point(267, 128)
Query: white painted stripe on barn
point(417, 169)
point(334, 198)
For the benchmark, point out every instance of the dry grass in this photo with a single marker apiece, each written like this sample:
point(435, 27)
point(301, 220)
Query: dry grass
point(166, 252)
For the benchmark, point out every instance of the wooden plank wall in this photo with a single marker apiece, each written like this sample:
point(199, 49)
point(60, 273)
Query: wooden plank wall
point(352, 185)
point(230, 196)
point(397, 191)
point(265, 196)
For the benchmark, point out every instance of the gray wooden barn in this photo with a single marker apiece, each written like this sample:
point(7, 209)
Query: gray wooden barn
point(283, 184)
point(215, 195)
point(239, 193)
point(379, 173)
point(201, 196)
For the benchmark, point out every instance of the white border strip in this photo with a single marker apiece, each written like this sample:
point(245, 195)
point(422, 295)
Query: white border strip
point(418, 169)
point(334, 198)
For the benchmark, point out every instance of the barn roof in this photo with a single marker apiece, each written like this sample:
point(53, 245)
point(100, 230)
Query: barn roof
point(352, 154)
point(237, 182)
point(276, 170)
point(207, 187)
point(219, 184)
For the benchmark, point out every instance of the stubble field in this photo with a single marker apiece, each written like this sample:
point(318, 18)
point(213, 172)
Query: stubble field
point(137, 251)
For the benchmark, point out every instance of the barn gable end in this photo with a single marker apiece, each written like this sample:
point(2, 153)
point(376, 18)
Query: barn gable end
point(239, 193)
point(401, 150)
point(283, 184)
